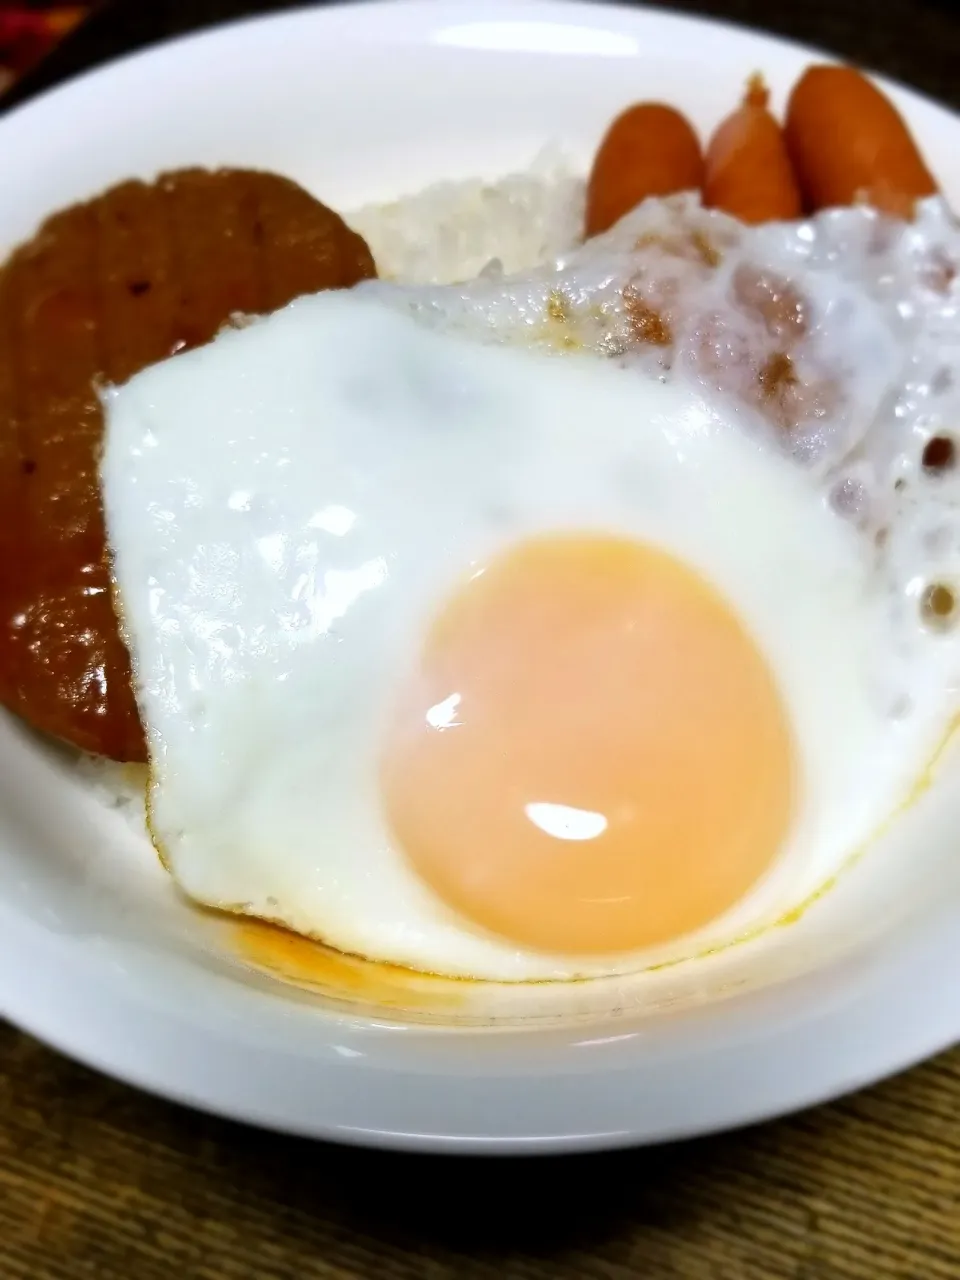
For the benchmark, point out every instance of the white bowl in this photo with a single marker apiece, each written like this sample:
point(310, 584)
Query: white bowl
point(100, 957)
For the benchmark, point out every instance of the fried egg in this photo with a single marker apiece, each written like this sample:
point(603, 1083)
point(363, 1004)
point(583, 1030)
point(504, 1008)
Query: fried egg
point(492, 663)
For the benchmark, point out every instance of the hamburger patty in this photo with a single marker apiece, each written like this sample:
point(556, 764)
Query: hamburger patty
point(103, 289)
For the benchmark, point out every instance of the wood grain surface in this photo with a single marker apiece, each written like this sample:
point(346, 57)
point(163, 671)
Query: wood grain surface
point(99, 1181)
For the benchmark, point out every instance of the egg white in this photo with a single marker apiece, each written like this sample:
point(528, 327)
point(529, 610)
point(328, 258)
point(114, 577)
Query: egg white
point(287, 508)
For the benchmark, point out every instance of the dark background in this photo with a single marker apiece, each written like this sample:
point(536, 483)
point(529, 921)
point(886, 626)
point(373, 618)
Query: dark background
point(915, 40)
point(98, 1181)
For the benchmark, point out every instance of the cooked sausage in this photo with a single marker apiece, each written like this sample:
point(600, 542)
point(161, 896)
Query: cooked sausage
point(748, 171)
point(649, 150)
point(850, 145)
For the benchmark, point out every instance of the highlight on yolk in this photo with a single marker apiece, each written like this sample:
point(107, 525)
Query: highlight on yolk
point(592, 754)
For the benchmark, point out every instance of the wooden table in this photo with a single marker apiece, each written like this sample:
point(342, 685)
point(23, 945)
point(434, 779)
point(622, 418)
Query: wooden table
point(98, 1181)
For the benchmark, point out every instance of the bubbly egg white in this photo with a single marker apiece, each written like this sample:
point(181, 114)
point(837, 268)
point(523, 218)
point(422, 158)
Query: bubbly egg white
point(287, 508)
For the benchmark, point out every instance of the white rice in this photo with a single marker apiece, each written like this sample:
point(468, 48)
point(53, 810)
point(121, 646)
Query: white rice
point(122, 787)
point(452, 231)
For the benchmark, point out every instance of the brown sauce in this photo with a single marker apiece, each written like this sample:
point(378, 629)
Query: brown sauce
point(102, 290)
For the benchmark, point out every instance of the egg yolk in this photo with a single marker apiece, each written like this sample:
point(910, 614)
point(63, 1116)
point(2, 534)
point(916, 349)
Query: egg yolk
point(591, 754)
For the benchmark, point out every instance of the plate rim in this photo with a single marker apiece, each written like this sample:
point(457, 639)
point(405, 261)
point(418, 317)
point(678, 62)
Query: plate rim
point(874, 990)
point(664, 1093)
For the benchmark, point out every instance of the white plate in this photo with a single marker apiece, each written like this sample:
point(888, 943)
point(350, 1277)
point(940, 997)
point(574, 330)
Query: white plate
point(97, 955)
